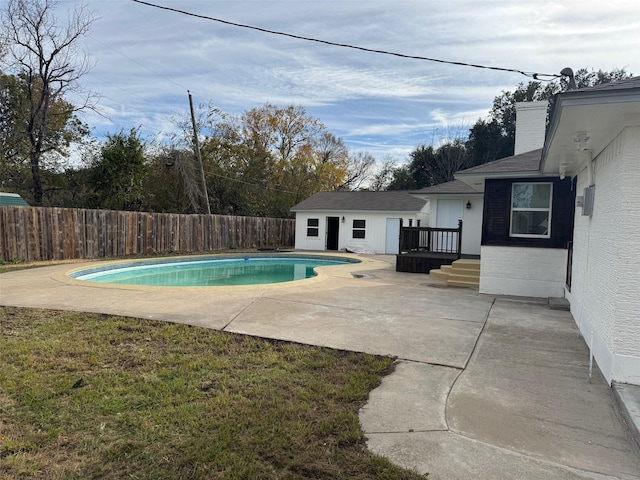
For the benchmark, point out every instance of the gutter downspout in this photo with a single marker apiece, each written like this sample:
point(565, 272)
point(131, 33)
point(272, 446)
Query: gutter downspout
point(590, 167)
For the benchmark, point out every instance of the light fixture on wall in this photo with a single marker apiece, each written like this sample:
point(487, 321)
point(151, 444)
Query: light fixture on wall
point(343, 219)
point(468, 205)
point(581, 141)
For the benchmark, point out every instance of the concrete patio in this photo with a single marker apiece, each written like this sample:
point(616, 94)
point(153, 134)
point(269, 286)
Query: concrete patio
point(484, 387)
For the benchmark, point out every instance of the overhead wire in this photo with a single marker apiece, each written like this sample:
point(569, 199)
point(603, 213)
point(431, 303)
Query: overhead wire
point(270, 187)
point(534, 75)
point(251, 183)
point(138, 63)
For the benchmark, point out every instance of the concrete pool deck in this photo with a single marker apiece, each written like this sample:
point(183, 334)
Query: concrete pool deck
point(484, 387)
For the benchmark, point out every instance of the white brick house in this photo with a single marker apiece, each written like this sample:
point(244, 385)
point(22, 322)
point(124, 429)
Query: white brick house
point(527, 258)
point(565, 220)
point(594, 137)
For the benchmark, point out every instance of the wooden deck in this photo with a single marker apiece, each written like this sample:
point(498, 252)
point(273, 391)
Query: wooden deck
point(423, 249)
point(423, 262)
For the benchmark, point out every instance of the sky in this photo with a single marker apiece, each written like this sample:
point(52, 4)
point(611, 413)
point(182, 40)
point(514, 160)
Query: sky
point(146, 59)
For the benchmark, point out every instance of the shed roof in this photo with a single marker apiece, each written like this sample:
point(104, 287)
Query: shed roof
point(12, 199)
point(395, 201)
point(449, 188)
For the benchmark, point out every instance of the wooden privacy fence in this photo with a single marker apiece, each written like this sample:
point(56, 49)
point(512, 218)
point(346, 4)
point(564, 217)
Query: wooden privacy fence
point(41, 233)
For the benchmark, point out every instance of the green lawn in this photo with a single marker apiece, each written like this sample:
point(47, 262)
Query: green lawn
point(87, 396)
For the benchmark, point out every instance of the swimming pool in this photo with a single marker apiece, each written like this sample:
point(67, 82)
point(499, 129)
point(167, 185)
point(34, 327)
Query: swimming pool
point(210, 271)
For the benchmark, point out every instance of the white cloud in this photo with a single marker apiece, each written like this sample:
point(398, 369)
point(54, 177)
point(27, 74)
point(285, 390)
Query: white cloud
point(147, 58)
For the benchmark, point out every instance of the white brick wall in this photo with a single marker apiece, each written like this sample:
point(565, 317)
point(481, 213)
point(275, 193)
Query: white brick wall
point(605, 291)
point(531, 120)
point(523, 271)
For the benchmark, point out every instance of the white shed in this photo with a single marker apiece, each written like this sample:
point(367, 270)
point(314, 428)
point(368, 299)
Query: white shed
point(348, 220)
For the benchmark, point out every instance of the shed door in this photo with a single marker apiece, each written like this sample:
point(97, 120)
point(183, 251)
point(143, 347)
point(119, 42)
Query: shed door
point(333, 233)
point(392, 242)
point(447, 215)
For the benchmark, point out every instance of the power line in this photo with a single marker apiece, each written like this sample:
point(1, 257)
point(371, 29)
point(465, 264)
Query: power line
point(269, 187)
point(138, 63)
point(534, 75)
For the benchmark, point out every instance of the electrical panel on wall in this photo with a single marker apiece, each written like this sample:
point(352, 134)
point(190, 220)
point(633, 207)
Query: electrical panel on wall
point(587, 200)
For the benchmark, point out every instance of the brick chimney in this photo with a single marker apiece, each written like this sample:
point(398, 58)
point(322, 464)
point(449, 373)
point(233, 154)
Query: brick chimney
point(531, 118)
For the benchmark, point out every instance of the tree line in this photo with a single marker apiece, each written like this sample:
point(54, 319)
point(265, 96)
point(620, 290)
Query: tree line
point(260, 163)
point(488, 139)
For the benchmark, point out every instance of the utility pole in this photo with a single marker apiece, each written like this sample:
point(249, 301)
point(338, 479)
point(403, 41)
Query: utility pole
point(196, 146)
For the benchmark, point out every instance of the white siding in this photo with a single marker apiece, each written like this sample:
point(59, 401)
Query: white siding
point(605, 290)
point(523, 271)
point(471, 220)
point(303, 242)
point(375, 234)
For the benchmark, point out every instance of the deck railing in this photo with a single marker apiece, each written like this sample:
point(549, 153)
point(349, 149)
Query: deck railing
point(431, 240)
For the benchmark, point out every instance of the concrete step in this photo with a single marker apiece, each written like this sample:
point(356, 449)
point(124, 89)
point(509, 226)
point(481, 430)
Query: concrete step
point(464, 271)
point(462, 283)
point(559, 304)
point(464, 278)
point(439, 274)
point(467, 263)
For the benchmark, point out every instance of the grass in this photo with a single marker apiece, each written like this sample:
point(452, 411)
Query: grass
point(87, 396)
point(12, 265)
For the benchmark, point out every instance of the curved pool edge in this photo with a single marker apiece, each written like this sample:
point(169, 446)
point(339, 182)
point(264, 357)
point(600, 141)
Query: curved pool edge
point(322, 273)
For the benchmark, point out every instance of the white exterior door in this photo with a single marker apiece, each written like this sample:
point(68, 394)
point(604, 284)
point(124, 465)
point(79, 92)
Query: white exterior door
point(392, 243)
point(447, 215)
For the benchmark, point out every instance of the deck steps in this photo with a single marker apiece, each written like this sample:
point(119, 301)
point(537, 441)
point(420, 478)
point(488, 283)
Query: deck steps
point(462, 273)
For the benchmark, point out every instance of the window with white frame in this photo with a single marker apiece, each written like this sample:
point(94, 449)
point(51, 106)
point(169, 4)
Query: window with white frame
point(312, 227)
point(359, 227)
point(531, 210)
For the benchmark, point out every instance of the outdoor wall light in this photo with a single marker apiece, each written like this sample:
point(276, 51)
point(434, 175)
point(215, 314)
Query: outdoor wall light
point(468, 205)
point(343, 219)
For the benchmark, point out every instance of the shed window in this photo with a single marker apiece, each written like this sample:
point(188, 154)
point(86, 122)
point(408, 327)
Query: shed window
point(359, 227)
point(312, 227)
point(531, 210)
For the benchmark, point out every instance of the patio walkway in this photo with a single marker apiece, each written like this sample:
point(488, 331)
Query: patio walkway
point(484, 387)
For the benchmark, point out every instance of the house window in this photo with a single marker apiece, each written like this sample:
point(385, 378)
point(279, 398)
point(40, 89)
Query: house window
point(531, 210)
point(359, 228)
point(312, 227)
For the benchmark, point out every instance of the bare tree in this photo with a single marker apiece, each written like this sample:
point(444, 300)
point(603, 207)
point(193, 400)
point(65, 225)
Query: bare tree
point(384, 174)
point(187, 171)
point(45, 56)
point(3, 48)
point(331, 149)
point(358, 171)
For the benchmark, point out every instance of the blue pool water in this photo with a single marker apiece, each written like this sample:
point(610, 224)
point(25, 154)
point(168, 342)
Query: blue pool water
point(210, 271)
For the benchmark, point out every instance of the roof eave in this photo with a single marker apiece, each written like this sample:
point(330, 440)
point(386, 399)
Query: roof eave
point(476, 181)
point(431, 194)
point(607, 99)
